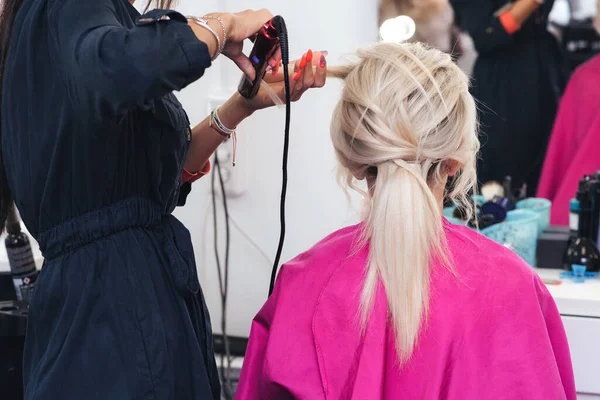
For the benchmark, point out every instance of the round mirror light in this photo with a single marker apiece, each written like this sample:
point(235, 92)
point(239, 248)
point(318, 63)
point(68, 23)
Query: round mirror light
point(397, 29)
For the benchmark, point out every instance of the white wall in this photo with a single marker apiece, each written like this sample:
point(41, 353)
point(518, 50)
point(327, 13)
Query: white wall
point(316, 205)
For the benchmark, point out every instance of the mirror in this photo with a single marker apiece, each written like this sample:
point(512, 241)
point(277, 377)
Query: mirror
point(521, 55)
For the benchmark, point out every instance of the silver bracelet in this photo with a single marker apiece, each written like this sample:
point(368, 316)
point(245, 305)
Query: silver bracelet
point(217, 125)
point(220, 20)
point(204, 23)
point(215, 122)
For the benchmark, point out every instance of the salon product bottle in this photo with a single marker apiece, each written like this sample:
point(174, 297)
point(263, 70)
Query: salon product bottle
point(583, 250)
point(20, 258)
point(583, 186)
point(509, 194)
point(574, 218)
point(594, 189)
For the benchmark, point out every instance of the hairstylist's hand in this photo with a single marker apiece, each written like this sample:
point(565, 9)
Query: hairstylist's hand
point(242, 26)
point(306, 73)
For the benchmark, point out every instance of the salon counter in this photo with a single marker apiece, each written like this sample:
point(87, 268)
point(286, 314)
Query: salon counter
point(579, 305)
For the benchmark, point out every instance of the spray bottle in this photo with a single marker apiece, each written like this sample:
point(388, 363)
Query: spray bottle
point(20, 258)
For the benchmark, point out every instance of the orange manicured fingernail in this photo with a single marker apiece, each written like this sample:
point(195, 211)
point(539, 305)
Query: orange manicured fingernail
point(303, 62)
point(309, 56)
point(273, 63)
point(297, 76)
point(323, 63)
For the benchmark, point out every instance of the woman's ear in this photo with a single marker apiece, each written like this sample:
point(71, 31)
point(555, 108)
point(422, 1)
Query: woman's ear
point(451, 167)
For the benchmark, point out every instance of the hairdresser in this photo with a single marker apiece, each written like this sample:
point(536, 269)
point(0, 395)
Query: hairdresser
point(96, 154)
point(518, 79)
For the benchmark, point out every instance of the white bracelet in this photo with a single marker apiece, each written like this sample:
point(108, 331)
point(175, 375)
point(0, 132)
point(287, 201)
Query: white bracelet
point(204, 23)
point(217, 125)
point(215, 122)
point(220, 21)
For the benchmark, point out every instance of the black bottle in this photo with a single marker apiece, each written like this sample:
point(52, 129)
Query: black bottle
point(509, 194)
point(20, 258)
point(583, 250)
point(594, 189)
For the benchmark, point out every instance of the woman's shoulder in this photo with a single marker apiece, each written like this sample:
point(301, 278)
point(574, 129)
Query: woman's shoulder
point(482, 263)
point(331, 250)
point(310, 271)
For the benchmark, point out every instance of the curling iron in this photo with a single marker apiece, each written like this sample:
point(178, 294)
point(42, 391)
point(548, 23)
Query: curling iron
point(267, 42)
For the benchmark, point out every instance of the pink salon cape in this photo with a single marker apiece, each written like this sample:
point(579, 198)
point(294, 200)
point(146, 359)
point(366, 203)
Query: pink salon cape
point(573, 148)
point(493, 332)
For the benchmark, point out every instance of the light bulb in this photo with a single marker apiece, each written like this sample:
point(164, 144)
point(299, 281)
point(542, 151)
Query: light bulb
point(397, 29)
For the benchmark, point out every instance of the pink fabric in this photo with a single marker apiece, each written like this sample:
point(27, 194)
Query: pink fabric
point(573, 149)
point(493, 332)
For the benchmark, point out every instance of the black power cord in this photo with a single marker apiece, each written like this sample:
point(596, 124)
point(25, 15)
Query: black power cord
point(223, 276)
point(279, 24)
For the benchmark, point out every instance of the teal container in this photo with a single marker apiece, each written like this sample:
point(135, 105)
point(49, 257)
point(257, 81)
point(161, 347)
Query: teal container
point(519, 232)
point(541, 207)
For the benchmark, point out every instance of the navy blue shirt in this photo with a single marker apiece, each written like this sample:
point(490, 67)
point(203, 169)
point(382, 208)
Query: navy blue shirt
point(88, 114)
point(94, 142)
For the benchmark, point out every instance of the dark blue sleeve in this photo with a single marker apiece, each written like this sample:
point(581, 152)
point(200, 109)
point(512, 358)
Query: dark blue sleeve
point(121, 67)
point(478, 19)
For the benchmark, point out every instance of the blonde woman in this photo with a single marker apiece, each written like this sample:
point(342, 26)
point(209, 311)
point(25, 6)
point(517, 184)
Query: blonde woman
point(406, 305)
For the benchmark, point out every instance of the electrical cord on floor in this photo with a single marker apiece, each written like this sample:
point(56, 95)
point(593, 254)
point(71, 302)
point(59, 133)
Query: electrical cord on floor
point(223, 276)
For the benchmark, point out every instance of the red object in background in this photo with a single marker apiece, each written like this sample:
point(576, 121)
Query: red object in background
point(509, 23)
point(575, 142)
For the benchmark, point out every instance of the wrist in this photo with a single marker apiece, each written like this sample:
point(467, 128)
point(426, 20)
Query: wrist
point(228, 23)
point(234, 111)
point(229, 20)
point(243, 106)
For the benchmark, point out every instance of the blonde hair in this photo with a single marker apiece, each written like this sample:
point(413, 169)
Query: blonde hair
point(405, 112)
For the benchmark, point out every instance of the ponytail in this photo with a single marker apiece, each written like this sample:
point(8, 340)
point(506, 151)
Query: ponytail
point(405, 116)
point(404, 232)
point(8, 14)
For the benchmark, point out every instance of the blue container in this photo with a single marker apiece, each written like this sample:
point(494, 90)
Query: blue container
point(519, 232)
point(541, 207)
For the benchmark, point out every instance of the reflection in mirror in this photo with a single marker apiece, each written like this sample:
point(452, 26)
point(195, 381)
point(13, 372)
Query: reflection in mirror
point(520, 54)
point(435, 25)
